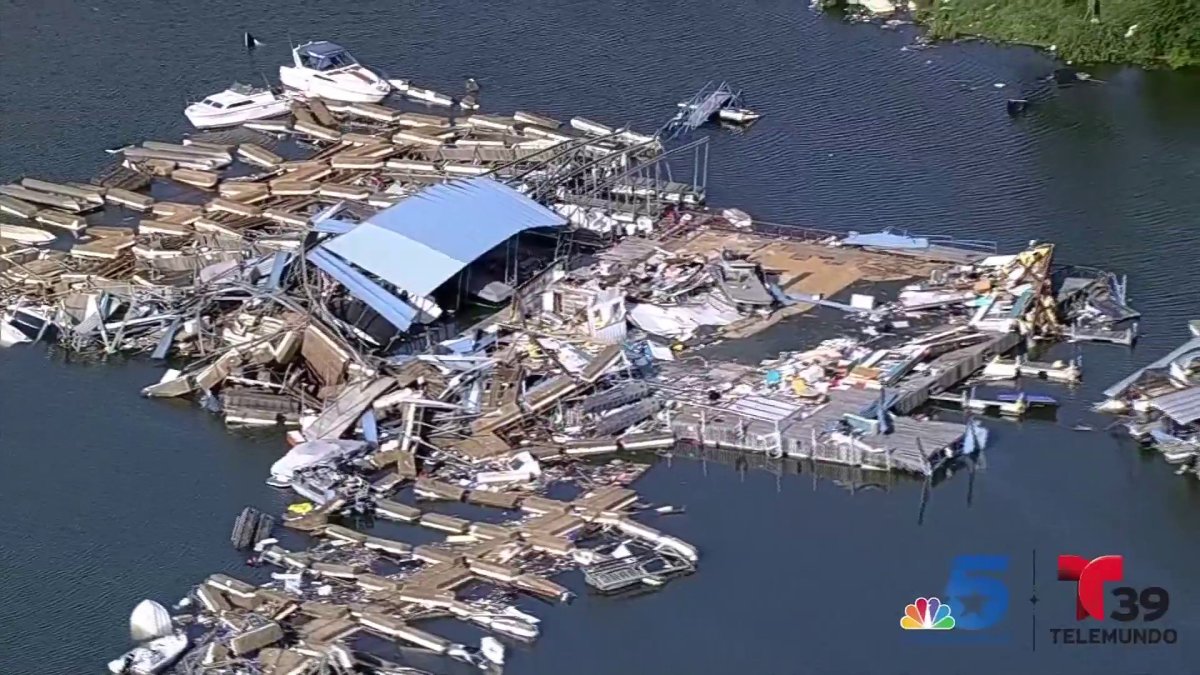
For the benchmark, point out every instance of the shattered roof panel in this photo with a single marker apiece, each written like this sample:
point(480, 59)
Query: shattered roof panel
point(1192, 345)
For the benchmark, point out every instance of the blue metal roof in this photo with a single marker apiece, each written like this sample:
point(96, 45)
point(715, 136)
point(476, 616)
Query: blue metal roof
point(429, 237)
point(399, 313)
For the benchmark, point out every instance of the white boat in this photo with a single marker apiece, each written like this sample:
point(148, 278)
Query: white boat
point(151, 658)
point(149, 621)
point(730, 114)
point(739, 115)
point(25, 235)
point(326, 70)
point(237, 104)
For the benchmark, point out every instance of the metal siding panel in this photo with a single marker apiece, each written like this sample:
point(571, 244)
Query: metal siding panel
point(395, 310)
point(407, 264)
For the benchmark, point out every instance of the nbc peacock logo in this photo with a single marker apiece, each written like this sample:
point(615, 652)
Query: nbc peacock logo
point(927, 614)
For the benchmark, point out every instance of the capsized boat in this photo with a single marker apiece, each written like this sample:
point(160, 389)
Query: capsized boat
point(151, 658)
point(309, 454)
point(10, 335)
point(326, 70)
point(149, 621)
point(238, 104)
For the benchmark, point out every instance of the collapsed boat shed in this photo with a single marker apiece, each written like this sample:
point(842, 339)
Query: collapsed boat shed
point(425, 240)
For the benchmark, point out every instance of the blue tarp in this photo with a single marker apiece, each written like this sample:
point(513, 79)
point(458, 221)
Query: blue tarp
point(397, 312)
point(429, 237)
point(886, 239)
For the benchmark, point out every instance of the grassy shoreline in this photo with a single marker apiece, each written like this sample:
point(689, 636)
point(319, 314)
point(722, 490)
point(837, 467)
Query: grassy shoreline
point(1164, 33)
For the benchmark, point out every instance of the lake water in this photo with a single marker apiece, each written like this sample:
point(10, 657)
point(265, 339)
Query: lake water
point(109, 498)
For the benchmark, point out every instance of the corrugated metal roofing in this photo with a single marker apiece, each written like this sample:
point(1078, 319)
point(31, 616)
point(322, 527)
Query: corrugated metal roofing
point(1182, 406)
point(427, 238)
point(399, 313)
point(1192, 345)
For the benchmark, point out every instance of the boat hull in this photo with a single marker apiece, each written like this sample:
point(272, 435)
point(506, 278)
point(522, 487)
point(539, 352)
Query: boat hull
point(212, 119)
point(309, 84)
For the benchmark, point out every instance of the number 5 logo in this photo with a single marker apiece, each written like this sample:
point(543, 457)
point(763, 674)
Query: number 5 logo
point(977, 595)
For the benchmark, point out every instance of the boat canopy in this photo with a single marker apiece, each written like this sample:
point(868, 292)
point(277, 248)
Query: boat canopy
point(324, 56)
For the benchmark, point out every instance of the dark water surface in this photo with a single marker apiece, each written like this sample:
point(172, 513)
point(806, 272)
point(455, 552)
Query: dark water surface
point(108, 498)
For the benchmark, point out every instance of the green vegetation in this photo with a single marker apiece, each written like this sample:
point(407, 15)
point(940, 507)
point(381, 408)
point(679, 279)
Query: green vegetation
point(1147, 32)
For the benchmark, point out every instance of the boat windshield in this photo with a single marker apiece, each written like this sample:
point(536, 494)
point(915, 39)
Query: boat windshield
point(214, 104)
point(327, 60)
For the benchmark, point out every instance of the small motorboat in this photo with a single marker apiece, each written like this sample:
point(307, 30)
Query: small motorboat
point(326, 70)
point(237, 104)
point(737, 115)
point(151, 658)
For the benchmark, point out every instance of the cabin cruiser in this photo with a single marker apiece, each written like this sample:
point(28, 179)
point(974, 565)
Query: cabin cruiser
point(237, 104)
point(326, 70)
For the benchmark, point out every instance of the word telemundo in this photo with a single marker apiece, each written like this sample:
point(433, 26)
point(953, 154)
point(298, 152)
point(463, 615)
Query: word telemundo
point(1145, 605)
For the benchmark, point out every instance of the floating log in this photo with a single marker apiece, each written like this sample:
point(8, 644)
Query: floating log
point(258, 155)
point(354, 138)
point(340, 191)
point(357, 163)
point(291, 188)
point(374, 111)
point(220, 205)
point(18, 208)
point(246, 193)
point(270, 126)
point(534, 118)
point(45, 198)
point(128, 199)
point(415, 119)
point(90, 194)
point(195, 178)
point(410, 136)
point(219, 155)
point(163, 228)
point(66, 221)
point(316, 130)
point(321, 112)
point(285, 217)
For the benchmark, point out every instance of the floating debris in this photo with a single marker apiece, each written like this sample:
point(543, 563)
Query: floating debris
point(319, 281)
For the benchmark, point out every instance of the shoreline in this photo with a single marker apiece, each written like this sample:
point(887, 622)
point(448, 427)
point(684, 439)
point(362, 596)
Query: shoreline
point(1061, 32)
